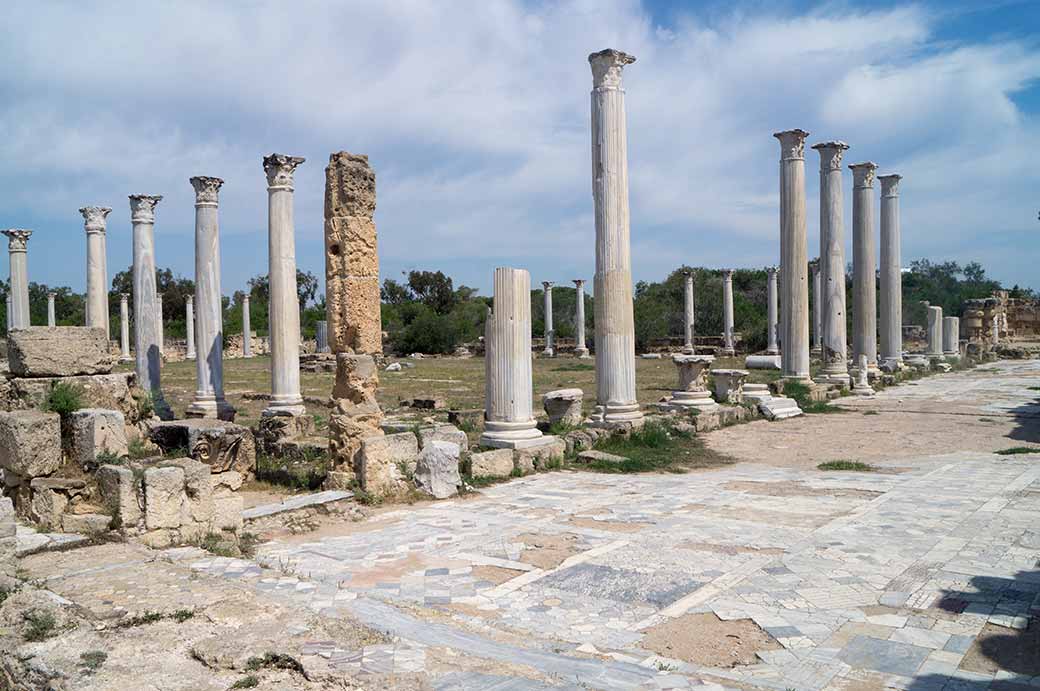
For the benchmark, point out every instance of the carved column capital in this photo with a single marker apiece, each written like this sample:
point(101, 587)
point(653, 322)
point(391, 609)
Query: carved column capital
point(727, 275)
point(606, 68)
point(206, 189)
point(142, 207)
point(890, 184)
point(94, 218)
point(863, 174)
point(792, 144)
point(279, 169)
point(124, 297)
point(831, 154)
point(547, 285)
point(17, 239)
point(771, 272)
point(578, 282)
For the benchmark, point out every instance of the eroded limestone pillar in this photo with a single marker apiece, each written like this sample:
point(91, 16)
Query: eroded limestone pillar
point(189, 327)
point(772, 347)
point(688, 312)
point(794, 259)
point(891, 307)
point(547, 287)
point(247, 334)
point(580, 349)
point(935, 331)
point(51, 321)
point(864, 265)
point(284, 319)
point(124, 327)
point(209, 401)
point(616, 402)
point(17, 248)
point(728, 348)
point(508, 414)
point(833, 330)
point(817, 303)
point(97, 275)
point(147, 311)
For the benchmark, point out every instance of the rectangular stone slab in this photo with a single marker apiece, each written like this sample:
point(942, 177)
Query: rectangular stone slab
point(58, 351)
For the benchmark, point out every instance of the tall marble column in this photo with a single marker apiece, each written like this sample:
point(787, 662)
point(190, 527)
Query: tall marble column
point(124, 327)
point(547, 287)
point(508, 415)
point(321, 336)
point(189, 326)
point(160, 327)
point(247, 334)
point(17, 241)
point(209, 324)
point(891, 307)
point(10, 311)
point(772, 347)
point(616, 401)
point(284, 319)
point(864, 266)
point(688, 312)
point(51, 320)
point(935, 331)
point(728, 348)
point(97, 277)
point(833, 330)
point(794, 257)
point(580, 349)
point(950, 345)
point(817, 300)
point(147, 322)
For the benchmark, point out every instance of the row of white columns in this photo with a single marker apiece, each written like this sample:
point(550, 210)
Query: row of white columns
point(580, 350)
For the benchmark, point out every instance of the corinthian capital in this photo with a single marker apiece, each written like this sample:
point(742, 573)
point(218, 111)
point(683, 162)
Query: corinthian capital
point(792, 144)
point(578, 282)
point(17, 238)
point(547, 284)
point(606, 68)
point(831, 154)
point(206, 189)
point(890, 184)
point(142, 207)
point(94, 218)
point(727, 275)
point(279, 169)
point(863, 174)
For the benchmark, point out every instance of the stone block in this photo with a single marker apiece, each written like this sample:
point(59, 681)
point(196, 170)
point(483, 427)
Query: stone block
point(86, 523)
point(120, 494)
point(564, 406)
point(230, 479)
point(221, 445)
point(227, 512)
point(447, 433)
point(95, 430)
point(592, 456)
point(497, 463)
point(117, 391)
point(7, 523)
point(437, 471)
point(198, 489)
point(537, 457)
point(339, 480)
point(164, 500)
point(384, 460)
point(578, 440)
point(49, 500)
point(58, 351)
point(30, 442)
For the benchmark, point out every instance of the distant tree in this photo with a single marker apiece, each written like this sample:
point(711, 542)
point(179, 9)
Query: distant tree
point(433, 289)
point(393, 293)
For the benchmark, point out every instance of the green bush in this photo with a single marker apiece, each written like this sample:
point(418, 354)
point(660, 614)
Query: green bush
point(64, 399)
point(41, 626)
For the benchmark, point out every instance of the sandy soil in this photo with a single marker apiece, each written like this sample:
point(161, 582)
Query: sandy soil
point(704, 639)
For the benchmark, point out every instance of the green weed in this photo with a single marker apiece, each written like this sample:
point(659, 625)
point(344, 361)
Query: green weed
point(64, 399)
point(41, 626)
point(93, 659)
point(847, 465)
point(1015, 450)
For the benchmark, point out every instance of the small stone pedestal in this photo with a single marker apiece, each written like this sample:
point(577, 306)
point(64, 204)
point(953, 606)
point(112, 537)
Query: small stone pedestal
point(756, 393)
point(862, 386)
point(729, 385)
point(564, 406)
point(693, 391)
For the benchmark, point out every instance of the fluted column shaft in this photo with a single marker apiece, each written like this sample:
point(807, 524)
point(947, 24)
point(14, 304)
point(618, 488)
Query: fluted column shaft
point(688, 312)
point(950, 331)
point(97, 274)
point(833, 329)
point(51, 320)
point(727, 312)
point(10, 311)
point(864, 266)
point(616, 400)
point(189, 326)
point(891, 307)
point(247, 334)
point(816, 313)
point(160, 327)
point(547, 287)
point(321, 336)
point(935, 330)
point(124, 327)
point(794, 260)
point(284, 327)
point(147, 310)
point(508, 390)
point(17, 247)
point(580, 349)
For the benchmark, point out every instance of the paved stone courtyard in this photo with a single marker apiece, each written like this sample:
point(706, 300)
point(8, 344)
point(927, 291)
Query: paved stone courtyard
point(870, 580)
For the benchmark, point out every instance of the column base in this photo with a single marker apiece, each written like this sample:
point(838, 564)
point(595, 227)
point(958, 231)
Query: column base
point(727, 352)
point(804, 378)
point(295, 408)
point(772, 351)
point(125, 358)
point(548, 353)
point(756, 393)
point(840, 377)
point(689, 400)
point(512, 435)
point(615, 415)
point(189, 356)
point(581, 353)
point(211, 408)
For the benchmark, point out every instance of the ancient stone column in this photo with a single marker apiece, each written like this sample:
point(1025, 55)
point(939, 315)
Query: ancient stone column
point(147, 320)
point(794, 259)
point(124, 327)
point(10, 311)
point(97, 276)
point(891, 308)
point(159, 325)
point(247, 334)
point(508, 415)
point(693, 391)
point(284, 317)
point(727, 313)
point(832, 328)
point(321, 336)
point(209, 401)
point(950, 346)
point(547, 287)
point(864, 265)
point(935, 331)
point(817, 299)
point(17, 241)
point(51, 321)
point(189, 327)
point(772, 347)
point(688, 312)
point(616, 401)
point(580, 349)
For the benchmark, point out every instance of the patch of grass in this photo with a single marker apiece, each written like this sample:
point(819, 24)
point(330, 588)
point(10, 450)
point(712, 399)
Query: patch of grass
point(214, 543)
point(1033, 388)
point(319, 421)
point(559, 429)
point(149, 617)
point(575, 367)
point(304, 471)
point(247, 682)
point(183, 615)
point(273, 661)
point(176, 452)
point(656, 447)
point(146, 405)
point(93, 659)
point(871, 412)
point(138, 448)
point(247, 544)
point(847, 465)
point(802, 395)
point(64, 399)
point(1015, 450)
point(41, 626)
point(6, 593)
point(107, 458)
point(468, 425)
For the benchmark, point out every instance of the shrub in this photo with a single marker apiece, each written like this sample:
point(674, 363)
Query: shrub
point(246, 682)
point(93, 659)
point(41, 625)
point(64, 399)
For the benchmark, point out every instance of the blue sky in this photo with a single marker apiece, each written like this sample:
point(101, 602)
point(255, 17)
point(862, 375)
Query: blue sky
point(475, 118)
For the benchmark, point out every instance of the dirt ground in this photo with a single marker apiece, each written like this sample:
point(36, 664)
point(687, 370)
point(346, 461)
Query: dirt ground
point(704, 639)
